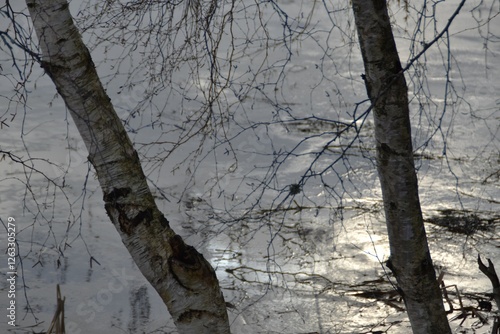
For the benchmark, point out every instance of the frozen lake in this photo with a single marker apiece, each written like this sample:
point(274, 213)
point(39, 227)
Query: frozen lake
point(308, 264)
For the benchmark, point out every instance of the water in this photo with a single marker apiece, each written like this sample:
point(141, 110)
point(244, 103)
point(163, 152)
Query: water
point(302, 269)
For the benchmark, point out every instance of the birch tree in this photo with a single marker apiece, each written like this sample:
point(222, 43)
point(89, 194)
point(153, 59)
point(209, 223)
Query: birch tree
point(182, 277)
point(410, 259)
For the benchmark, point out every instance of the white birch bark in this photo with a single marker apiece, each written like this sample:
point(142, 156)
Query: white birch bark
point(410, 259)
point(183, 278)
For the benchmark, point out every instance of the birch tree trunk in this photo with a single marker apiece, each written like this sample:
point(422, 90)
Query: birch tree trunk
point(410, 259)
point(183, 278)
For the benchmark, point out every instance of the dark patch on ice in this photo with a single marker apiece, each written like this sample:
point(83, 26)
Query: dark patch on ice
point(464, 222)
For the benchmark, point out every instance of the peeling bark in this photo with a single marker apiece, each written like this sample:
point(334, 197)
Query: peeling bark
point(410, 258)
point(183, 278)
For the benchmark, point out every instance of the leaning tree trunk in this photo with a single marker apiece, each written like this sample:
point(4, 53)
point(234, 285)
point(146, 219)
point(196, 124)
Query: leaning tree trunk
point(410, 259)
point(183, 278)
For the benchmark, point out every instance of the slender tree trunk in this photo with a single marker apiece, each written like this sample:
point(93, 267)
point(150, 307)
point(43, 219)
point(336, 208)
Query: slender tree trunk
point(410, 259)
point(184, 279)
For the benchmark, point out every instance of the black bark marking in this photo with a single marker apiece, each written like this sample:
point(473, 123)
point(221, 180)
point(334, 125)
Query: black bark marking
point(164, 222)
point(389, 265)
point(114, 195)
point(52, 70)
point(143, 216)
point(188, 267)
point(189, 315)
point(113, 206)
point(384, 152)
point(379, 5)
point(426, 267)
point(183, 253)
point(386, 149)
point(127, 225)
